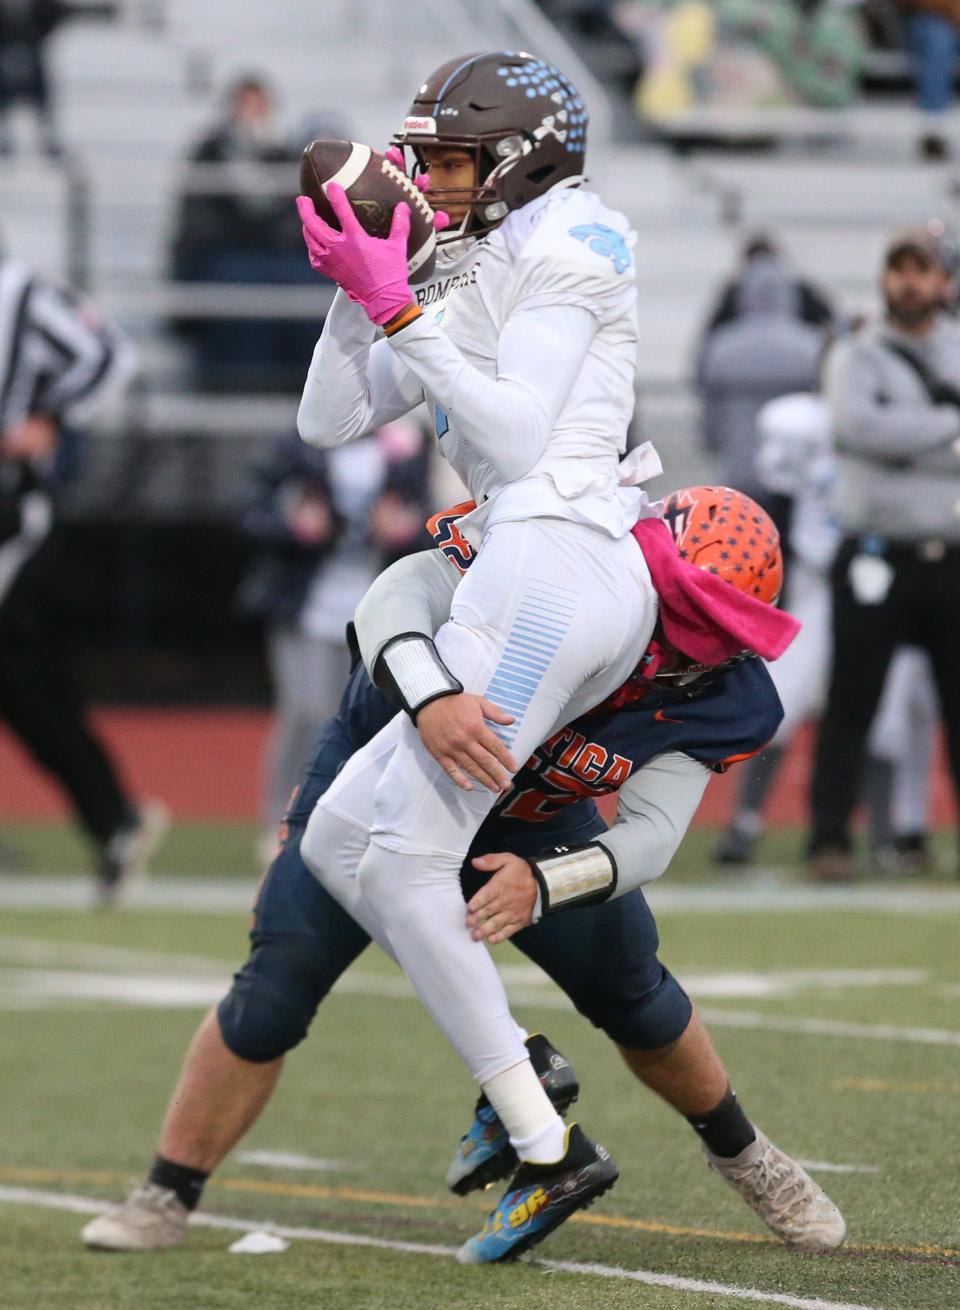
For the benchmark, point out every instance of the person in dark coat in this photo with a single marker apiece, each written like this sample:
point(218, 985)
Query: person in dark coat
point(25, 26)
point(236, 224)
point(765, 351)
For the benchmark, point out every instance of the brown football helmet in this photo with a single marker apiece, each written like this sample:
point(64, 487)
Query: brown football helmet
point(521, 118)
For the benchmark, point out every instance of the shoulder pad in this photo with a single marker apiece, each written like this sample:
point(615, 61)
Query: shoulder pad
point(574, 227)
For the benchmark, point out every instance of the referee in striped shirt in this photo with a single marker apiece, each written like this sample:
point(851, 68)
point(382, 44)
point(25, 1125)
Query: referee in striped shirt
point(58, 364)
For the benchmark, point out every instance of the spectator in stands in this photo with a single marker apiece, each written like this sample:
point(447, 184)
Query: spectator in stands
point(812, 305)
point(236, 225)
point(765, 350)
point(933, 33)
point(816, 46)
point(25, 26)
point(893, 389)
point(747, 52)
point(59, 362)
point(325, 525)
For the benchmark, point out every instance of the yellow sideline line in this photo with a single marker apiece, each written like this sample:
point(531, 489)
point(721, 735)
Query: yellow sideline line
point(312, 1191)
point(476, 1202)
point(892, 1085)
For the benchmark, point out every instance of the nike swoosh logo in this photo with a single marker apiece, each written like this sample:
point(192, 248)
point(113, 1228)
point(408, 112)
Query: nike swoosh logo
point(665, 718)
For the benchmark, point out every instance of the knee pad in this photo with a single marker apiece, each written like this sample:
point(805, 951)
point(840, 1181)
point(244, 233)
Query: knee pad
point(656, 1018)
point(274, 997)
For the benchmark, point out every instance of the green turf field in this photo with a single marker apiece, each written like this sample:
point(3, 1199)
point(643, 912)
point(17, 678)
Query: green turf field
point(841, 1024)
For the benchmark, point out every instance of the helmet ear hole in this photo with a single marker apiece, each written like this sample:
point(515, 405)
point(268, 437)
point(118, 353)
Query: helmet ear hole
point(539, 175)
point(486, 163)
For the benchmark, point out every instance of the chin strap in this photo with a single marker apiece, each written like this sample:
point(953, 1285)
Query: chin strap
point(411, 674)
point(571, 876)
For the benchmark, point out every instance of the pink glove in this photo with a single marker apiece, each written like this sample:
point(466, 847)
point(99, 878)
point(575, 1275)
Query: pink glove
point(371, 270)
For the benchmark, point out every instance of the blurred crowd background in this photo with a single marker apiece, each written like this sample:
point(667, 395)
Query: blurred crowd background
point(192, 553)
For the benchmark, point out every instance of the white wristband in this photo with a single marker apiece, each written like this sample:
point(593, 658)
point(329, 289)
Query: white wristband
point(579, 876)
point(410, 671)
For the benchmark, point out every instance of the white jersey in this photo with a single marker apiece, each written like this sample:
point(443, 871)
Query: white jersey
point(795, 458)
point(526, 354)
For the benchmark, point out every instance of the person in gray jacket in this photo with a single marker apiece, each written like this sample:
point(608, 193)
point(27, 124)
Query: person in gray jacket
point(765, 351)
point(894, 393)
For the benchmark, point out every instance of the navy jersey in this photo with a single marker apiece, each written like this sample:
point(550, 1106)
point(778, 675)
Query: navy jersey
point(727, 717)
point(724, 718)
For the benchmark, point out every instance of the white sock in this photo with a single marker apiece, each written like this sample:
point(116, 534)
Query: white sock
point(536, 1130)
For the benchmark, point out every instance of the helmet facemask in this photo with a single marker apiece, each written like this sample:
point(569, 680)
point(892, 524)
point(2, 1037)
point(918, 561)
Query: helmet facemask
point(485, 209)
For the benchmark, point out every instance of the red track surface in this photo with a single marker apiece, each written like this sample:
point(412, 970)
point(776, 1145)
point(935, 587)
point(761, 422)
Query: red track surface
point(206, 765)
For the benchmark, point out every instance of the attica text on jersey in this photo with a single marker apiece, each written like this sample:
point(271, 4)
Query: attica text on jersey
point(564, 769)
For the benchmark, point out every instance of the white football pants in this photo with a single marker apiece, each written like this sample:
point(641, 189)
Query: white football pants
point(551, 617)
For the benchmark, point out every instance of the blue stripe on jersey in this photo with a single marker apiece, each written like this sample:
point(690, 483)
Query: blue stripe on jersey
point(540, 624)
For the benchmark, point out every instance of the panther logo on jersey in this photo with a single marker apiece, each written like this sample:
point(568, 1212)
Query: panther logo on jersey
point(448, 538)
point(606, 241)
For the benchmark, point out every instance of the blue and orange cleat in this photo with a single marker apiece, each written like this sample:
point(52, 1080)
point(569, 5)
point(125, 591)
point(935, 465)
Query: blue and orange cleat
point(539, 1198)
point(485, 1155)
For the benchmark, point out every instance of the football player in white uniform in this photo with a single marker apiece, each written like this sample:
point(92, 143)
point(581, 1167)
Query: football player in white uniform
point(524, 346)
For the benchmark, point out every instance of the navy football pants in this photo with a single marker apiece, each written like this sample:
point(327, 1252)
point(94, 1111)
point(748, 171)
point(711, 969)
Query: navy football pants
point(603, 956)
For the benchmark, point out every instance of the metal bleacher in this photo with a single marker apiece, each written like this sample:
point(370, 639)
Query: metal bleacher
point(133, 94)
point(136, 92)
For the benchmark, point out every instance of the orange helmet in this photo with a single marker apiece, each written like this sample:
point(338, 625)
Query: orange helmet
point(727, 533)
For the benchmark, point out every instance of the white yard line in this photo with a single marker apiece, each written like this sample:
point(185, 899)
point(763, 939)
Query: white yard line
point(768, 892)
point(765, 894)
point(32, 987)
point(192, 982)
point(146, 992)
point(87, 1205)
point(40, 951)
point(753, 984)
point(186, 896)
point(871, 1032)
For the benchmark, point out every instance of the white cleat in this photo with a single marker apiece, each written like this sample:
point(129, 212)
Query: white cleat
point(783, 1194)
point(152, 1218)
point(124, 861)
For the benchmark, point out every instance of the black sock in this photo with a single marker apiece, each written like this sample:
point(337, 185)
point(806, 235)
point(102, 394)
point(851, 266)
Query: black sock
point(180, 1178)
point(725, 1129)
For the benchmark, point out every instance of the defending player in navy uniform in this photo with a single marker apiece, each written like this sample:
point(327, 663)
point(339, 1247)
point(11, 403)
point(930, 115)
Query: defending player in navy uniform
point(603, 955)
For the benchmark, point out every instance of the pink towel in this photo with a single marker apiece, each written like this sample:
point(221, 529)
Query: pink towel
point(704, 617)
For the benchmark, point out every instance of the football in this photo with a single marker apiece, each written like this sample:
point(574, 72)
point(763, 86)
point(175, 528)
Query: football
point(373, 186)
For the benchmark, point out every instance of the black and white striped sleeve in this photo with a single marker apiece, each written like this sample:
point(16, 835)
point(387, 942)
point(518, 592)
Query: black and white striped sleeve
point(81, 361)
